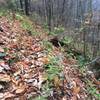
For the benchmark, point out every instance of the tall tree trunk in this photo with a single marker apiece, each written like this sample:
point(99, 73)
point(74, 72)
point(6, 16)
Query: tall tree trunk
point(62, 12)
point(21, 4)
point(27, 7)
point(49, 13)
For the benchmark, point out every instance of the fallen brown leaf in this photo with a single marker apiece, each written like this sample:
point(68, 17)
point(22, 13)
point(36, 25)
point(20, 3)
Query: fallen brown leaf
point(8, 96)
point(5, 78)
point(76, 90)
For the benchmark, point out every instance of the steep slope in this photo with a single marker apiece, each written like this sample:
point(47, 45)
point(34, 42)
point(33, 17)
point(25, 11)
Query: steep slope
point(32, 68)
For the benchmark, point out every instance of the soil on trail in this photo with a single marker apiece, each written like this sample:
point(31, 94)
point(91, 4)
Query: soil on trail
point(23, 75)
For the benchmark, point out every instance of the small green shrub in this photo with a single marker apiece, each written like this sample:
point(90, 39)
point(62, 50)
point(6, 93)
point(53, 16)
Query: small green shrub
point(56, 31)
point(3, 12)
point(19, 16)
point(53, 68)
point(28, 26)
point(93, 90)
point(67, 40)
point(39, 98)
point(48, 46)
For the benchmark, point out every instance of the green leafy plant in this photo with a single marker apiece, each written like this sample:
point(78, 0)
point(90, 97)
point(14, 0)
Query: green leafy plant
point(3, 12)
point(46, 88)
point(19, 16)
point(81, 60)
point(67, 40)
point(52, 71)
point(48, 46)
point(5, 49)
point(40, 98)
point(28, 26)
point(93, 90)
point(56, 31)
point(53, 68)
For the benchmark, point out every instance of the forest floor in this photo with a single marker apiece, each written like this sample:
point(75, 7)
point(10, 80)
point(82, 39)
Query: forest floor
point(31, 68)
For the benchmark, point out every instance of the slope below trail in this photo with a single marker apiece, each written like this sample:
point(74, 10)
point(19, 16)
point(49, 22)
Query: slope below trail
point(32, 68)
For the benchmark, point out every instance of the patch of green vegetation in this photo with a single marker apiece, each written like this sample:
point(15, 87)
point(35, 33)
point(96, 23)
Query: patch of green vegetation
point(56, 31)
point(46, 91)
point(25, 21)
point(13, 60)
point(53, 68)
point(5, 49)
point(92, 90)
point(26, 24)
point(52, 71)
point(40, 98)
point(48, 46)
point(46, 27)
point(19, 16)
point(3, 12)
point(6, 13)
point(67, 40)
point(70, 55)
point(81, 61)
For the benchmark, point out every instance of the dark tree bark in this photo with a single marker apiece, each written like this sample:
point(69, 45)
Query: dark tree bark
point(48, 4)
point(27, 7)
point(62, 12)
point(21, 4)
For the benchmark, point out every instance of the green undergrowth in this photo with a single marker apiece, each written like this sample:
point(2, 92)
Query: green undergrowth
point(52, 69)
point(92, 90)
point(82, 63)
point(91, 87)
point(25, 21)
point(48, 46)
point(57, 30)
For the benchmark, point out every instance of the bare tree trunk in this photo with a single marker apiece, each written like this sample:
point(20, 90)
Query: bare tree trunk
point(63, 9)
point(27, 7)
point(21, 4)
point(49, 13)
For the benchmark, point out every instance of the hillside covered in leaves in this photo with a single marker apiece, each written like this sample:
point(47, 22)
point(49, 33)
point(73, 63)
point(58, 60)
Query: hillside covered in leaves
point(32, 68)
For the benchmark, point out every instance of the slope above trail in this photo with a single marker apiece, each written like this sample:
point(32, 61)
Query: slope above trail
point(27, 67)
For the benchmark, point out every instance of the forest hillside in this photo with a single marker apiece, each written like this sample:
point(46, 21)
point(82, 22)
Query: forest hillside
point(49, 50)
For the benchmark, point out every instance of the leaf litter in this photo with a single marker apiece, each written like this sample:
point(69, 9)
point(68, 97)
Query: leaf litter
point(27, 73)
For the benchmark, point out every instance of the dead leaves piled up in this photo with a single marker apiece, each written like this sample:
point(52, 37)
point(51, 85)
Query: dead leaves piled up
point(21, 67)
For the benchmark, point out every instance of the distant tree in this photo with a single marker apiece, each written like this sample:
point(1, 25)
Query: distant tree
point(21, 4)
point(48, 4)
point(27, 7)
